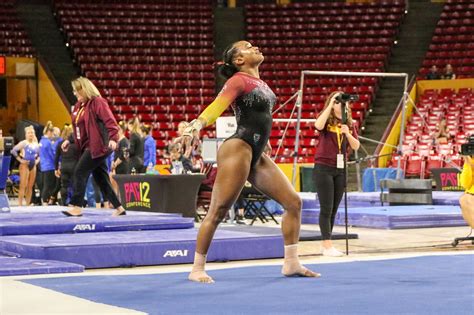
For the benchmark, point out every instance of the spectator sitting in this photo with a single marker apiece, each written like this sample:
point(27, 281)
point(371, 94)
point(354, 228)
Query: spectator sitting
point(442, 136)
point(449, 73)
point(186, 148)
point(178, 158)
point(433, 74)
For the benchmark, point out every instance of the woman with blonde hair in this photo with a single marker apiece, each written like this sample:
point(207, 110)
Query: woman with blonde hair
point(65, 163)
point(149, 157)
point(95, 134)
point(27, 153)
point(137, 150)
point(328, 174)
point(47, 154)
point(120, 164)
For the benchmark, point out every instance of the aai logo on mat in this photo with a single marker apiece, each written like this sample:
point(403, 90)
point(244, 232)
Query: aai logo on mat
point(84, 227)
point(176, 253)
point(136, 194)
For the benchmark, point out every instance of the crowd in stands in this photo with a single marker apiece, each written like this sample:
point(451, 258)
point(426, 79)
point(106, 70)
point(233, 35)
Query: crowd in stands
point(447, 74)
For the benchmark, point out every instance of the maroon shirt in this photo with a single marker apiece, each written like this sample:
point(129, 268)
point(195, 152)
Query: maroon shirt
point(87, 120)
point(327, 148)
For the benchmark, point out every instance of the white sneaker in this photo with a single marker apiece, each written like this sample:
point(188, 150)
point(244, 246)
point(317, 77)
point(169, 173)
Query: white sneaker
point(331, 252)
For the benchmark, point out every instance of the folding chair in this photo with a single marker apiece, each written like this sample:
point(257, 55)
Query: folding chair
point(254, 205)
point(205, 191)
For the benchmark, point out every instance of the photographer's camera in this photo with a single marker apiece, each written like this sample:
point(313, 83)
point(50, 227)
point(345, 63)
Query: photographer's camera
point(345, 97)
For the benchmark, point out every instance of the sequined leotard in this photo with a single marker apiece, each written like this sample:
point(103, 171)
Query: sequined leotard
point(252, 101)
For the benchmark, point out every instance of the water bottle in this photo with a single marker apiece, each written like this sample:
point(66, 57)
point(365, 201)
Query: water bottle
point(149, 168)
point(177, 167)
point(134, 171)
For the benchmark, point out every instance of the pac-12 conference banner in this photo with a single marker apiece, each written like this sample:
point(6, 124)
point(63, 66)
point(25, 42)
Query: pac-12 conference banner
point(447, 179)
point(137, 194)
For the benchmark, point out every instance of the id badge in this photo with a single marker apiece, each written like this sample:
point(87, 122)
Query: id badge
point(78, 133)
point(340, 161)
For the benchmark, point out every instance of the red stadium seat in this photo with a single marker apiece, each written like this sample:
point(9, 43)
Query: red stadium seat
point(414, 166)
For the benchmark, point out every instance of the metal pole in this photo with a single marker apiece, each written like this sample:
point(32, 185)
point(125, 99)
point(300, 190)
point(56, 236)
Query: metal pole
point(402, 126)
point(293, 120)
point(299, 102)
point(359, 186)
point(357, 74)
point(375, 141)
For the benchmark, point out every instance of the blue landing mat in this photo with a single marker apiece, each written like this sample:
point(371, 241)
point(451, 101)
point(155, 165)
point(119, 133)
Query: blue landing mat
point(129, 248)
point(420, 285)
point(10, 266)
point(92, 221)
point(364, 199)
point(394, 217)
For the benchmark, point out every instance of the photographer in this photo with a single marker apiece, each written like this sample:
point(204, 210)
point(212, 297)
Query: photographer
point(328, 174)
point(467, 181)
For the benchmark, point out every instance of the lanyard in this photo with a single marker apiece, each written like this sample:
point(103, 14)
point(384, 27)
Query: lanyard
point(339, 136)
point(79, 113)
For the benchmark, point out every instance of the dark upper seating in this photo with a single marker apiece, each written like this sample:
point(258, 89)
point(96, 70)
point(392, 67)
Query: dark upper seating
point(453, 42)
point(13, 38)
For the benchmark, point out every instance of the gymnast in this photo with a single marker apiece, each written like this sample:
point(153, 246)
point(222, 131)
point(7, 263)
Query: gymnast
point(240, 157)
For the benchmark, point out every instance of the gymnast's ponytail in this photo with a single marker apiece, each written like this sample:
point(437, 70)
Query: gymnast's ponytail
point(226, 67)
point(48, 127)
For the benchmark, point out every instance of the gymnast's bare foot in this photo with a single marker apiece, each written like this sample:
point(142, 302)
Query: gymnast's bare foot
point(292, 266)
point(200, 276)
point(295, 269)
point(198, 273)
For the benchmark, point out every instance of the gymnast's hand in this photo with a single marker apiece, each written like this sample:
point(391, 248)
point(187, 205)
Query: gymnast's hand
point(191, 128)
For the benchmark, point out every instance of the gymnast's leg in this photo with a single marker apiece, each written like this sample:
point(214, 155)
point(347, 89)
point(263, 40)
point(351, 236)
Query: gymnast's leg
point(233, 167)
point(270, 180)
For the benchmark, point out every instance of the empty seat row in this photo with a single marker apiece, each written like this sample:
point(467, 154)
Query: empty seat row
point(170, 5)
point(14, 40)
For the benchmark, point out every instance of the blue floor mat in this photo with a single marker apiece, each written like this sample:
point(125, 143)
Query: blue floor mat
point(92, 221)
point(10, 266)
point(141, 248)
point(364, 199)
point(421, 285)
point(393, 217)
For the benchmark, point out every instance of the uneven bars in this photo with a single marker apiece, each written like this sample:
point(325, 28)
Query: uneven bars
point(360, 74)
point(357, 74)
point(293, 120)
